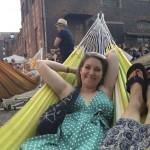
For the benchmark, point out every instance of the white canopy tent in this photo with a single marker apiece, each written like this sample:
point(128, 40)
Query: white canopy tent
point(18, 59)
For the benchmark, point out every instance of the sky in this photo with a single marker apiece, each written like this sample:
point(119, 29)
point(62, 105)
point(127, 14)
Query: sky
point(10, 16)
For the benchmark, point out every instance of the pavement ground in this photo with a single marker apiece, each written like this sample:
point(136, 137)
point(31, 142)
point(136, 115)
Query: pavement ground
point(5, 115)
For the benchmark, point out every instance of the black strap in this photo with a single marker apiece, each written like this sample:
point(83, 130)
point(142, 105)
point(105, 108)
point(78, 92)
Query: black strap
point(55, 114)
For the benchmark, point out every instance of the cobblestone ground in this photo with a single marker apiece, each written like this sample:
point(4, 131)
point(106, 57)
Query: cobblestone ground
point(5, 115)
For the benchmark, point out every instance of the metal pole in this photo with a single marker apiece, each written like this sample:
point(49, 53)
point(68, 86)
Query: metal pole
point(44, 28)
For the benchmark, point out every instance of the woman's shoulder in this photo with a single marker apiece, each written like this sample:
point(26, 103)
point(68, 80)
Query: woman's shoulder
point(67, 91)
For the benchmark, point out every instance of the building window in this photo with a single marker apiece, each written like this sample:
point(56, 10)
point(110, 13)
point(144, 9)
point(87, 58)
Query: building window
point(27, 7)
point(36, 38)
point(143, 26)
point(113, 3)
point(23, 12)
point(117, 31)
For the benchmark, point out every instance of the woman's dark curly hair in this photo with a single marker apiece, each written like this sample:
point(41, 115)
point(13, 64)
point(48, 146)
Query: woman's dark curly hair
point(97, 56)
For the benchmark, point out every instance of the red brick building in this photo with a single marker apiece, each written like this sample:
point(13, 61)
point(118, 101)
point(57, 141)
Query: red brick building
point(32, 26)
point(128, 20)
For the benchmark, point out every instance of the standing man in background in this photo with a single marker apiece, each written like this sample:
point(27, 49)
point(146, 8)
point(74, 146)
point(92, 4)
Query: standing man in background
point(64, 40)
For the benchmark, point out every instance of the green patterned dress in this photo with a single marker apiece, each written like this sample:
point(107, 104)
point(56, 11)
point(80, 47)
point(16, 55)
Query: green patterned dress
point(83, 129)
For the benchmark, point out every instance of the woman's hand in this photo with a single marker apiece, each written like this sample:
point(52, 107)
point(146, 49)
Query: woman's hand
point(53, 51)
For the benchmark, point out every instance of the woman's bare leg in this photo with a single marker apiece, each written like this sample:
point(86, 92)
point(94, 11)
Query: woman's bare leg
point(147, 121)
point(136, 103)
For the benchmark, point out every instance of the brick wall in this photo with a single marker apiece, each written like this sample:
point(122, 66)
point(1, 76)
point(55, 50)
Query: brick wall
point(127, 13)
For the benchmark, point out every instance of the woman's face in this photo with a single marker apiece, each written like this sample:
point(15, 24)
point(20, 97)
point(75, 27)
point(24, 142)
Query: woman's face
point(91, 73)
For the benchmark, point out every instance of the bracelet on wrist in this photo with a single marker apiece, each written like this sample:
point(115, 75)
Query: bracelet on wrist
point(68, 70)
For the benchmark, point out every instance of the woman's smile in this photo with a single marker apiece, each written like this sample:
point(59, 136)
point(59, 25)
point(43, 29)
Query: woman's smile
point(91, 72)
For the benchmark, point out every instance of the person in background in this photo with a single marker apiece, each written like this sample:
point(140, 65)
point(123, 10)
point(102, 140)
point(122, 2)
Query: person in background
point(136, 54)
point(146, 49)
point(48, 56)
point(13, 63)
point(64, 41)
point(6, 61)
point(91, 115)
point(26, 57)
point(32, 73)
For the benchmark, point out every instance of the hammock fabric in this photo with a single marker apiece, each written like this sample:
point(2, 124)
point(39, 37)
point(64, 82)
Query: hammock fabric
point(14, 82)
point(23, 124)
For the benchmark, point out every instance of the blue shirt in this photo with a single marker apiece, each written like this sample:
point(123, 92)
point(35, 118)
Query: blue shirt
point(67, 43)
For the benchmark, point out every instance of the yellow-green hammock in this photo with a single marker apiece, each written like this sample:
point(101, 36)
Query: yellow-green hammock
point(23, 124)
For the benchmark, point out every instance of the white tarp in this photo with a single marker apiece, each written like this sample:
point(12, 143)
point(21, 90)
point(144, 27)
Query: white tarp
point(129, 57)
point(18, 59)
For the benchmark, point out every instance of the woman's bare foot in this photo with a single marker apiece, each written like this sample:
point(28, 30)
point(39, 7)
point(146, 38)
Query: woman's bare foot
point(148, 90)
point(136, 95)
point(136, 104)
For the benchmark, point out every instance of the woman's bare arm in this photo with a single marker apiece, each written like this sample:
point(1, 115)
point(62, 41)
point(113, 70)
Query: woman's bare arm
point(48, 71)
point(112, 72)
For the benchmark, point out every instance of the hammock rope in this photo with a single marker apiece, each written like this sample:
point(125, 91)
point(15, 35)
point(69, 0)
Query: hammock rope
point(98, 38)
point(37, 56)
point(23, 124)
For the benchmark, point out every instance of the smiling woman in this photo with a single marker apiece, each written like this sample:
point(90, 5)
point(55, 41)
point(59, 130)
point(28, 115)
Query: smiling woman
point(89, 117)
point(10, 16)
